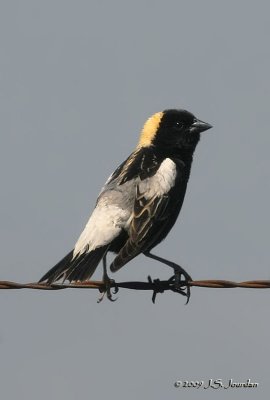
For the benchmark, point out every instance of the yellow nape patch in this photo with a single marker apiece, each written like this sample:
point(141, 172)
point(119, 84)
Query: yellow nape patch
point(149, 130)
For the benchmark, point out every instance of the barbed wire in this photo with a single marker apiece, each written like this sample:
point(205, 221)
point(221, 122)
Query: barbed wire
point(156, 285)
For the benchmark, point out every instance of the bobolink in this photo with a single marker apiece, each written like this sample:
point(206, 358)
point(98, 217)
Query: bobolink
point(140, 201)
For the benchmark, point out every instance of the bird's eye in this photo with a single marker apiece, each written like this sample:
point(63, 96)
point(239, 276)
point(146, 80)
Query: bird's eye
point(178, 125)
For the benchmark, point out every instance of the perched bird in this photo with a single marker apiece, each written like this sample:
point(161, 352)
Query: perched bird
point(140, 201)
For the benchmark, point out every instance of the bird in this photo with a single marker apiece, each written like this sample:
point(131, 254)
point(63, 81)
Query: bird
point(139, 203)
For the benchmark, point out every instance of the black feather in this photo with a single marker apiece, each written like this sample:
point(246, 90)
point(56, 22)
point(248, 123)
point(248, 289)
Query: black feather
point(79, 268)
point(50, 276)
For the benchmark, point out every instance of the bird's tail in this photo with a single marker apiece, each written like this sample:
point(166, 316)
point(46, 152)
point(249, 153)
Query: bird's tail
point(78, 268)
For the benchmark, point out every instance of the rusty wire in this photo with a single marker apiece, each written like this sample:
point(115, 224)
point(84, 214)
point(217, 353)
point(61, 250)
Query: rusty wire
point(136, 285)
point(156, 285)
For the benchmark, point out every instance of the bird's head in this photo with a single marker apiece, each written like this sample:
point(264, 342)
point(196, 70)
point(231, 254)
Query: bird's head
point(172, 129)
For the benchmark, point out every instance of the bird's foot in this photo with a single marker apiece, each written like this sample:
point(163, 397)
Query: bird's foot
point(179, 285)
point(107, 289)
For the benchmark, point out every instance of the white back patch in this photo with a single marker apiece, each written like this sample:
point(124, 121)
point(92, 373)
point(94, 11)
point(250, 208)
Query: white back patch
point(161, 182)
point(103, 226)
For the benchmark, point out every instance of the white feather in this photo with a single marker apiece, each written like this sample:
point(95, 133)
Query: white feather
point(161, 182)
point(103, 226)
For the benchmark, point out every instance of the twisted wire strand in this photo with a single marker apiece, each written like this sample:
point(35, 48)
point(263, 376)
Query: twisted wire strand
point(136, 285)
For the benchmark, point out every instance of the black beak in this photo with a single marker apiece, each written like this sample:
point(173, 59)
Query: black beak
point(200, 126)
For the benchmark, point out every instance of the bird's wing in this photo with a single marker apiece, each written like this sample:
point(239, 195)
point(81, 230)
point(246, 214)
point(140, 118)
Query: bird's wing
point(142, 163)
point(113, 207)
point(149, 212)
point(115, 204)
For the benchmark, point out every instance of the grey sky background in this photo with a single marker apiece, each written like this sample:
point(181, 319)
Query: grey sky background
point(77, 81)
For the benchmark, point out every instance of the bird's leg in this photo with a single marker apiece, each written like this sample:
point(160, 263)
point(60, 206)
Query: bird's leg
point(108, 282)
point(177, 268)
point(178, 271)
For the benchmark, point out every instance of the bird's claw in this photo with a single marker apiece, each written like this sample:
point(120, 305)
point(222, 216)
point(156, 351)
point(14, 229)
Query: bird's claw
point(181, 286)
point(106, 290)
